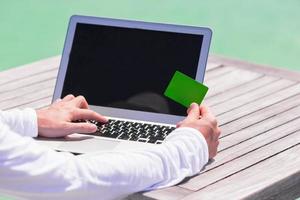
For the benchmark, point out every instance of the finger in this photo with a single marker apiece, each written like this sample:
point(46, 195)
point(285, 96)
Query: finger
point(69, 97)
point(87, 114)
point(57, 100)
point(80, 102)
point(206, 112)
point(193, 112)
point(82, 127)
point(189, 109)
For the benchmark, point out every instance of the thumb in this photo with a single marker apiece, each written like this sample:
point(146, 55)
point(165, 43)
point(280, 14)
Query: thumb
point(193, 112)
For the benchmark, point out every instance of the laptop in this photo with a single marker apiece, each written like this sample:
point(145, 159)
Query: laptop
point(122, 68)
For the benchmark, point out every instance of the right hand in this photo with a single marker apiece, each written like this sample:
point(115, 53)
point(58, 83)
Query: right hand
point(58, 119)
point(200, 118)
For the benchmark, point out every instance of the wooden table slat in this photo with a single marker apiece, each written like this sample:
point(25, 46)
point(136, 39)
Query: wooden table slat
point(48, 75)
point(29, 70)
point(261, 127)
point(26, 99)
point(218, 72)
point(254, 142)
point(257, 140)
point(260, 150)
point(267, 174)
point(260, 115)
point(233, 79)
point(19, 92)
point(171, 193)
point(212, 65)
point(251, 96)
point(250, 145)
point(37, 103)
point(259, 104)
point(240, 90)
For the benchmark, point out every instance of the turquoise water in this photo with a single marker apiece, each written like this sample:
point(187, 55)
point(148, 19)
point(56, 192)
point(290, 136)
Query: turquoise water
point(265, 32)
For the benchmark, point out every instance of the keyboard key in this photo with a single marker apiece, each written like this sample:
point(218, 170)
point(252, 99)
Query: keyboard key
point(134, 131)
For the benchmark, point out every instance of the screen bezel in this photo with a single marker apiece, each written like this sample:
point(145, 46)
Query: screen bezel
point(125, 113)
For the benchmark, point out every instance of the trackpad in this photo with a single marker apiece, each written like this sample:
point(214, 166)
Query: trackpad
point(88, 145)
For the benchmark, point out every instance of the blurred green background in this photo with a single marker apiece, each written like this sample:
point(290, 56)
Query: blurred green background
point(265, 32)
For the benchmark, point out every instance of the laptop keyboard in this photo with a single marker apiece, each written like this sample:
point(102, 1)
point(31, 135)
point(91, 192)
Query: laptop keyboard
point(134, 131)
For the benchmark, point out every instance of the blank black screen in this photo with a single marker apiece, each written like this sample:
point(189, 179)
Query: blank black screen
point(129, 68)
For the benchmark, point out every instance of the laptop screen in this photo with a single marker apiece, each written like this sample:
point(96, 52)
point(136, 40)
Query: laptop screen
point(129, 68)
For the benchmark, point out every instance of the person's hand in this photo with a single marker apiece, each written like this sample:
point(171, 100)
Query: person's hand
point(202, 119)
point(58, 119)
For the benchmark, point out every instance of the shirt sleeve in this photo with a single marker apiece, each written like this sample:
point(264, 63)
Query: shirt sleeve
point(23, 122)
point(32, 171)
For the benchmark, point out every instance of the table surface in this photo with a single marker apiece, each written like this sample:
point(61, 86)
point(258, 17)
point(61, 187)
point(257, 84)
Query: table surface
point(258, 109)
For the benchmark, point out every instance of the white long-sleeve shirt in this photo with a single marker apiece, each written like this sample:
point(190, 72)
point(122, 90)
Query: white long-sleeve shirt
point(32, 171)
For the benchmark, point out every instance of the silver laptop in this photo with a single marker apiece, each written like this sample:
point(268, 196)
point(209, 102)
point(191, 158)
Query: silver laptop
point(122, 68)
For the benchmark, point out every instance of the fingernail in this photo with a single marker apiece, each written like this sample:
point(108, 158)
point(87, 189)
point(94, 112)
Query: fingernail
point(193, 104)
point(94, 127)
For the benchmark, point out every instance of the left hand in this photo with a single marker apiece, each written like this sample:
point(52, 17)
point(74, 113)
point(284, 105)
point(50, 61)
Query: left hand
point(202, 119)
point(58, 119)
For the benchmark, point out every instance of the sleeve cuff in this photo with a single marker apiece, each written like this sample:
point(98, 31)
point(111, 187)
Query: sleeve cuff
point(195, 135)
point(30, 121)
point(26, 122)
point(23, 122)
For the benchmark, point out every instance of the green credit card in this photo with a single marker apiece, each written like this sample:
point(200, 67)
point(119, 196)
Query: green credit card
point(185, 90)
